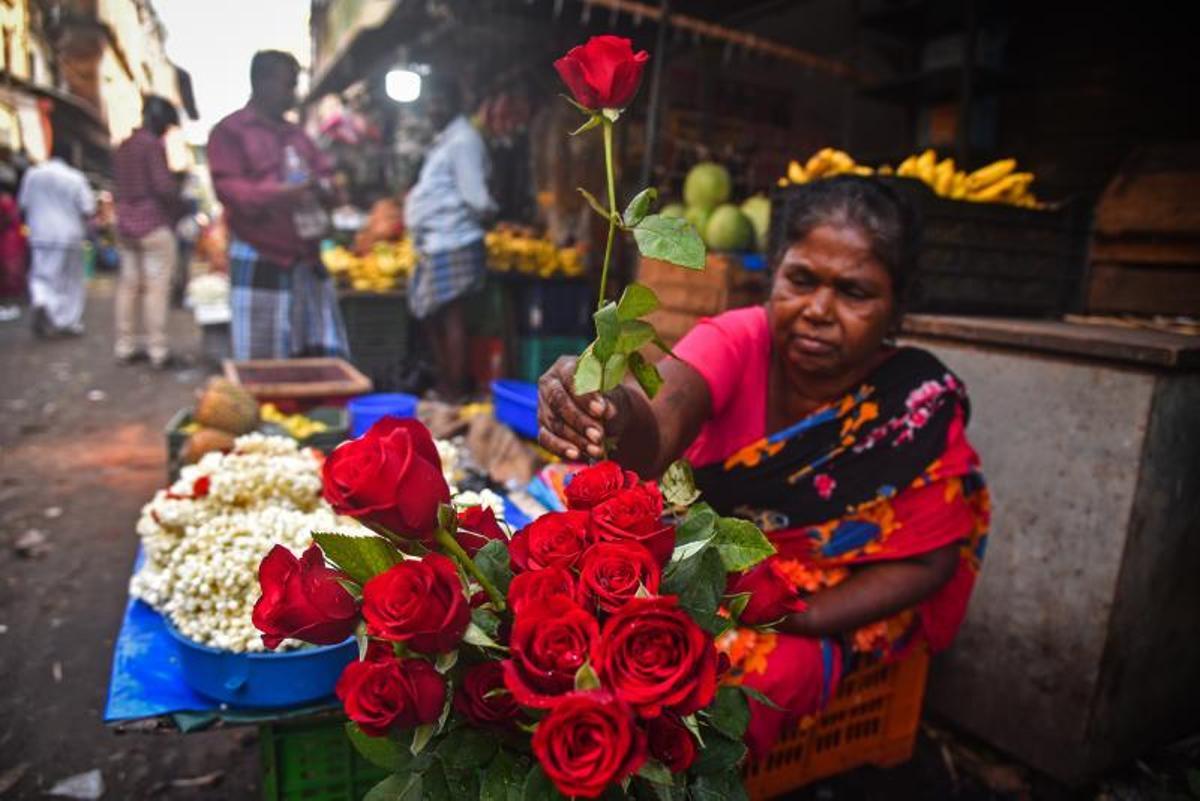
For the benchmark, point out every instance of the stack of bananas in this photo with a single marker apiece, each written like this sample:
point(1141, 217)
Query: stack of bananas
point(825, 163)
point(998, 182)
point(297, 426)
point(386, 266)
point(517, 249)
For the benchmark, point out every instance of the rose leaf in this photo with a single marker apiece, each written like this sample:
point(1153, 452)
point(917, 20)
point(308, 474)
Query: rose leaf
point(729, 713)
point(438, 785)
point(361, 558)
point(647, 375)
point(699, 582)
point(501, 779)
point(633, 335)
point(586, 678)
point(446, 662)
point(398, 787)
point(587, 372)
point(740, 544)
point(487, 621)
point(761, 698)
point(467, 749)
point(736, 604)
point(614, 372)
point(421, 736)
point(538, 787)
point(639, 207)
point(593, 202)
point(608, 330)
point(670, 239)
point(636, 301)
point(476, 636)
point(719, 786)
point(383, 752)
point(719, 756)
point(654, 771)
point(492, 560)
point(679, 485)
point(694, 534)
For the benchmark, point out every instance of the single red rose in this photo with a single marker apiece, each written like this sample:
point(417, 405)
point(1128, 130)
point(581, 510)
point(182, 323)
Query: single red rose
point(772, 593)
point(477, 527)
point(302, 599)
point(671, 743)
point(588, 742)
point(555, 539)
point(635, 514)
point(549, 643)
point(535, 587)
point(653, 656)
point(380, 694)
point(604, 73)
point(419, 603)
point(391, 476)
point(483, 699)
point(610, 573)
point(596, 484)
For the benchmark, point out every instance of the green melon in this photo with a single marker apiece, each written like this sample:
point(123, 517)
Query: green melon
point(728, 229)
point(698, 217)
point(758, 210)
point(707, 185)
point(673, 210)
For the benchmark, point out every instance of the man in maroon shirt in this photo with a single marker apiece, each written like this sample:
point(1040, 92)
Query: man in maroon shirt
point(271, 179)
point(148, 205)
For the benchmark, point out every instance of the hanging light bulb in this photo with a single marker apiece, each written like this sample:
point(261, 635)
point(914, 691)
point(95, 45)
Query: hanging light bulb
point(403, 86)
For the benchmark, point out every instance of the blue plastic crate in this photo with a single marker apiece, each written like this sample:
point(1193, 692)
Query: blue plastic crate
point(516, 406)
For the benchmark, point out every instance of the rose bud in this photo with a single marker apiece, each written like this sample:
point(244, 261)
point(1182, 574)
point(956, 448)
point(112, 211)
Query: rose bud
point(391, 477)
point(483, 699)
point(302, 599)
point(671, 743)
point(535, 587)
point(477, 527)
point(635, 514)
point(588, 742)
point(383, 693)
point(610, 573)
point(549, 643)
point(604, 73)
point(596, 484)
point(555, 539)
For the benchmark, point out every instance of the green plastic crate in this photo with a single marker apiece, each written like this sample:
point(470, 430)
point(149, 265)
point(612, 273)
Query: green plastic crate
point(537, 353)
point(313, 760)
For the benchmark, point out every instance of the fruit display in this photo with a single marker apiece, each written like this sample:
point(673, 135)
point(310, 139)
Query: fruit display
point(998, 182)
point(721, 223)
point(518, 249)
point(386, 266)
point(297, 426)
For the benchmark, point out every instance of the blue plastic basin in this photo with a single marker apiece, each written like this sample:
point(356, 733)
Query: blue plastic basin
point(365, 410)
point(263, 680)
point(515, 405)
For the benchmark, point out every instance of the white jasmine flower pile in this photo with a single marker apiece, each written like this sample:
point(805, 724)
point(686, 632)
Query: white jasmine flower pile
point(204, 537)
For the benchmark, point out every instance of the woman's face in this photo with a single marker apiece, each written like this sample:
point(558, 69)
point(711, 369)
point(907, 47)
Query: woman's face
point(831, 303)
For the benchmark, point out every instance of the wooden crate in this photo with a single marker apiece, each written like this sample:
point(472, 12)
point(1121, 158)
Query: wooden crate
point(688, 295)
point(299, 383)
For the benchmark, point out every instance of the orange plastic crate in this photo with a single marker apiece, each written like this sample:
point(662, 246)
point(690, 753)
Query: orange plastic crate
point(872, 720)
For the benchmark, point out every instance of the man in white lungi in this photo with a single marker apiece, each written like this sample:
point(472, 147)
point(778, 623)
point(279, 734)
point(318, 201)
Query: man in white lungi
point(57, 202)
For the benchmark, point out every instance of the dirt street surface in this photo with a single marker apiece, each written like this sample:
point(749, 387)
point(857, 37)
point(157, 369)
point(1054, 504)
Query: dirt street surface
point(81, 449)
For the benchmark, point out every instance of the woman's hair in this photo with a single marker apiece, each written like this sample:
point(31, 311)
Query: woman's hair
point(871, 206)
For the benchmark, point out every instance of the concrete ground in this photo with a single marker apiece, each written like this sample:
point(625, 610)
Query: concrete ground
point(82, 448)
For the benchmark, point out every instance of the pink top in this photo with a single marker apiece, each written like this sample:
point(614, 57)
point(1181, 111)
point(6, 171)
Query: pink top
point(733, 353)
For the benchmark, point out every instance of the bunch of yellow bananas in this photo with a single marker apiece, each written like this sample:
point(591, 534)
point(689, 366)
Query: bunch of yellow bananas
point(386, 266)
point(997, 182)
point(510, 249)
point(825, 163)
point(297, 426)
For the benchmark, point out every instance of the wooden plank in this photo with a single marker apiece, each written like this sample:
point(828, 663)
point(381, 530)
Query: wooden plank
point(1140, 251)
point(333, 377)
point(1111, 343)
point(1144, 290)
point(1150, 203)
point(672, 325)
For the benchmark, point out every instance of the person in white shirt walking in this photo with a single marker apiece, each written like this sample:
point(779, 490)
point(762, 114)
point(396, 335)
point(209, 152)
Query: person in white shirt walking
point(57, 202)
point(445, 213)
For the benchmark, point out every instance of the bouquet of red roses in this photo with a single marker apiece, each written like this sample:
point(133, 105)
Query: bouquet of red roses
point(575, 658)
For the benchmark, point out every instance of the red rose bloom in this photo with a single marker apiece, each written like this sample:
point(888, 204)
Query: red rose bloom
point(302, 599)
point(671, 743)
point(391, 476)
point(419, 603)
point(379, 694)
point(472, 699)
point(635, 514)
point(654, 657)
point(588, 742)
point(536, 587)
point(477, 527)
point(604, 73)
point(772, 594)
point(596, 484)
point(549, 643)
point(555, 539)
point(610, 573)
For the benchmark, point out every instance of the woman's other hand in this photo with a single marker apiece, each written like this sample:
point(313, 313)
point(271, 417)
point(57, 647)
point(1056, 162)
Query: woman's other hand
point(569, 425)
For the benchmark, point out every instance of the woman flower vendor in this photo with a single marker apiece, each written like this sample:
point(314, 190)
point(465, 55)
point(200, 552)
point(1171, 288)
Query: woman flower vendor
point(848, 451)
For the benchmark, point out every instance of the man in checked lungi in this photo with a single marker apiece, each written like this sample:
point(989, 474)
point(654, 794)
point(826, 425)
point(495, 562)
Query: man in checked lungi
point(273, 181)
point(445, 214)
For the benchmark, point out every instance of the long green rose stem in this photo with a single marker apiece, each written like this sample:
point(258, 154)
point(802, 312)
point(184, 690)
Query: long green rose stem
point(450, 545)
point(607, 125)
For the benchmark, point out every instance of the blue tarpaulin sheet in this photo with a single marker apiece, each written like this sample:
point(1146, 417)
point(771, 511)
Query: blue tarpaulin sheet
point(146, 680)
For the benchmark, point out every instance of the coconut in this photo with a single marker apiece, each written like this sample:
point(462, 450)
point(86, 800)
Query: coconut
point(227, 406)
point(728, 229)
